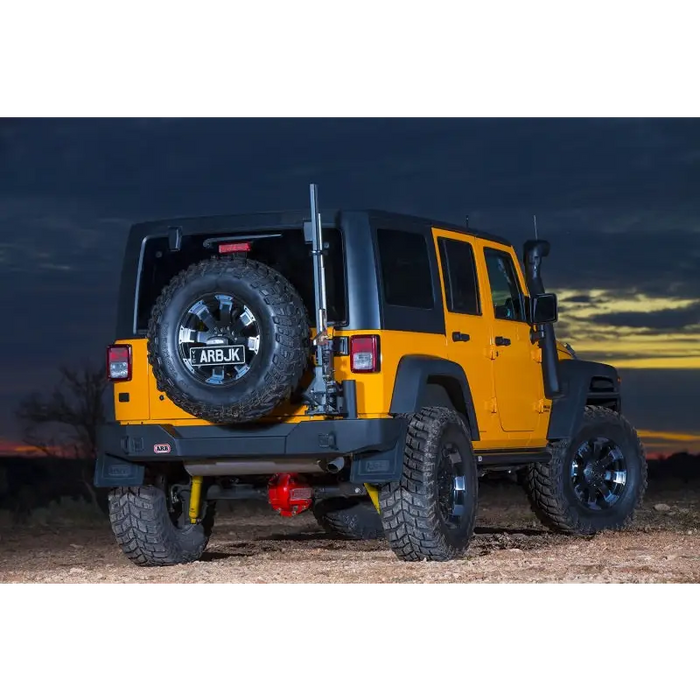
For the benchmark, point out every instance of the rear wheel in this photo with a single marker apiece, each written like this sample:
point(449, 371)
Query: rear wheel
point(152, 527)
point(430, 513)
point(595, 481)
point(349, 518)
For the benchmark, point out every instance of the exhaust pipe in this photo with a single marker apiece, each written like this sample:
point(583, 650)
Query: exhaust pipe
point(335, 466)
point(241, 467)
point(534, 251)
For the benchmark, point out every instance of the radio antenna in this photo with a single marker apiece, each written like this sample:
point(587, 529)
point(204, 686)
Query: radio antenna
point(534, 219)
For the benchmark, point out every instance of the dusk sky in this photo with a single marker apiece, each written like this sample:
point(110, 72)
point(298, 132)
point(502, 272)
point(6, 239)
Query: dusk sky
point(617, 199)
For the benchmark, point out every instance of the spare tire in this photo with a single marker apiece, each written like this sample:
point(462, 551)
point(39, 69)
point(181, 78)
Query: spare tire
point(243, 315)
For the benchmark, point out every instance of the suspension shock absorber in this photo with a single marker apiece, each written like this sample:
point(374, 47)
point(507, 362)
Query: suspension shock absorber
point(195, 498)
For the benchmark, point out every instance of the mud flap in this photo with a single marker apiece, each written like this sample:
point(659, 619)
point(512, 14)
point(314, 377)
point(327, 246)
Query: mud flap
point(379, 467)
point(111, 472)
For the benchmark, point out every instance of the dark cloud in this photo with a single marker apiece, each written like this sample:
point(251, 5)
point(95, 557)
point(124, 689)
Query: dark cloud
point(566, 170)
point(61, 270)
point(665, 320)
point(691, 332)
point(562, 327)
point(661, 399)
point(578, 299)
point(663, 263)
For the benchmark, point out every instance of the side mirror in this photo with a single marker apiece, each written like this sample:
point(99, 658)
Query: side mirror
point(544, 309)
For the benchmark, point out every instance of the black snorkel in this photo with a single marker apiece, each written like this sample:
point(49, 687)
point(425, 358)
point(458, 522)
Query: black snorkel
point(543, 333)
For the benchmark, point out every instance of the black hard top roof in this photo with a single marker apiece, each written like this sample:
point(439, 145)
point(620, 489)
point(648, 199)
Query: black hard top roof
point(295, 218)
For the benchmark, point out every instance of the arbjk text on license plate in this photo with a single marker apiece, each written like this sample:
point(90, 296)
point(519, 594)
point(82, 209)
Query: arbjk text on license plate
point(222, 355)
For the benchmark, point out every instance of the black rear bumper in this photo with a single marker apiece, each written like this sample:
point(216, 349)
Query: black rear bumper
point(125, 450)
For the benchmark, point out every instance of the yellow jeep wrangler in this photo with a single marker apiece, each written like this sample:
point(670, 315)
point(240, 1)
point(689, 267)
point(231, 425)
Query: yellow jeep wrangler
point(364, 365)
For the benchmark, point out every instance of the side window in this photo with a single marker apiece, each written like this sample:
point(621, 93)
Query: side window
point(505, 291)
point(459, 273)
point(405, 269)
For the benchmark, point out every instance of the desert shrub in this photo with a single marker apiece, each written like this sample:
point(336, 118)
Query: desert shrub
point(62, 512)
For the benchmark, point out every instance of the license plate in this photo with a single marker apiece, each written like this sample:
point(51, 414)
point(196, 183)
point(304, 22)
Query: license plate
point(221, 355)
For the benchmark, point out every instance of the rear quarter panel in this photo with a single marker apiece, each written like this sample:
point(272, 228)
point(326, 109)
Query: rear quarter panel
point(147, 404)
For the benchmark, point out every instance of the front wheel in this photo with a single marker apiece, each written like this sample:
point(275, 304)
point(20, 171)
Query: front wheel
point(429, 514)
point(594, 481)
point(152, 527)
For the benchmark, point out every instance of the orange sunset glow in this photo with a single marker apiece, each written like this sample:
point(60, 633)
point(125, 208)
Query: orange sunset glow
point(9, 447)
point(664, 444)
point(618, 329)
point(632, 347)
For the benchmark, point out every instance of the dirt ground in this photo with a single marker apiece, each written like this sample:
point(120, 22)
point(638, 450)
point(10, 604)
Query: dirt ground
point(255, 545)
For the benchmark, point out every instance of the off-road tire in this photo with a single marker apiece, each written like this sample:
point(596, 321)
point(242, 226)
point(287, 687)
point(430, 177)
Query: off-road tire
point(349, 518)
point(285, 340)
point(550, 492)
point(145, 532)
point(410, 511)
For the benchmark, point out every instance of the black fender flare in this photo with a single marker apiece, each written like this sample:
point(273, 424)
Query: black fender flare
point(416, 372)
point(578, 379)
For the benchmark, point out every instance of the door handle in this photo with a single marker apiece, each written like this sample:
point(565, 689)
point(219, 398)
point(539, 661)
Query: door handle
point(460, 337)
point(500, 340)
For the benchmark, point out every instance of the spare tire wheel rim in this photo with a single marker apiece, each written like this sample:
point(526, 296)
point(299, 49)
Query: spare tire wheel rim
point(218, 339)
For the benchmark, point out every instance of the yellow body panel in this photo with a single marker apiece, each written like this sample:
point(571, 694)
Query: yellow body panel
point(517, 367)
point(374, 391)
point(562, 351)
point(506, 382)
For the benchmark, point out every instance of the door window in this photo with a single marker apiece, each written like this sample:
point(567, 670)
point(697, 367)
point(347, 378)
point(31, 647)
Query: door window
point(505, 291)
point(459, 273)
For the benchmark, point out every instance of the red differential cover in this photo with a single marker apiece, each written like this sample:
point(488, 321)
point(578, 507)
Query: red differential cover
point(289, 494)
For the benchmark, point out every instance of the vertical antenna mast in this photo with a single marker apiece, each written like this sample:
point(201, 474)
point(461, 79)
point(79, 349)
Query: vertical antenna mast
point(319, 269)
point(534, 219)
point(322, 394)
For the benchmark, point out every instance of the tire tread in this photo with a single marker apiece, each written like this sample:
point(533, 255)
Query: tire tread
point(544, 482)
point(356, 520)
point(292, 336)
point(409, 507)
point(142, 527)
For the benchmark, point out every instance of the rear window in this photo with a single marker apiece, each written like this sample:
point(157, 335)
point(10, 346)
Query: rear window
point(405, 268)
point(286, 252)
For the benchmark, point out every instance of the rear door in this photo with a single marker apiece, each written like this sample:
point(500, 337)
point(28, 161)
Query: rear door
point(517, 370)
point(467, 329)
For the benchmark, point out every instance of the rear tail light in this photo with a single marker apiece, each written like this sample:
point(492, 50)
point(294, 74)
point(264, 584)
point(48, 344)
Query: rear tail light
point(119, 363)
point(364, 353)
